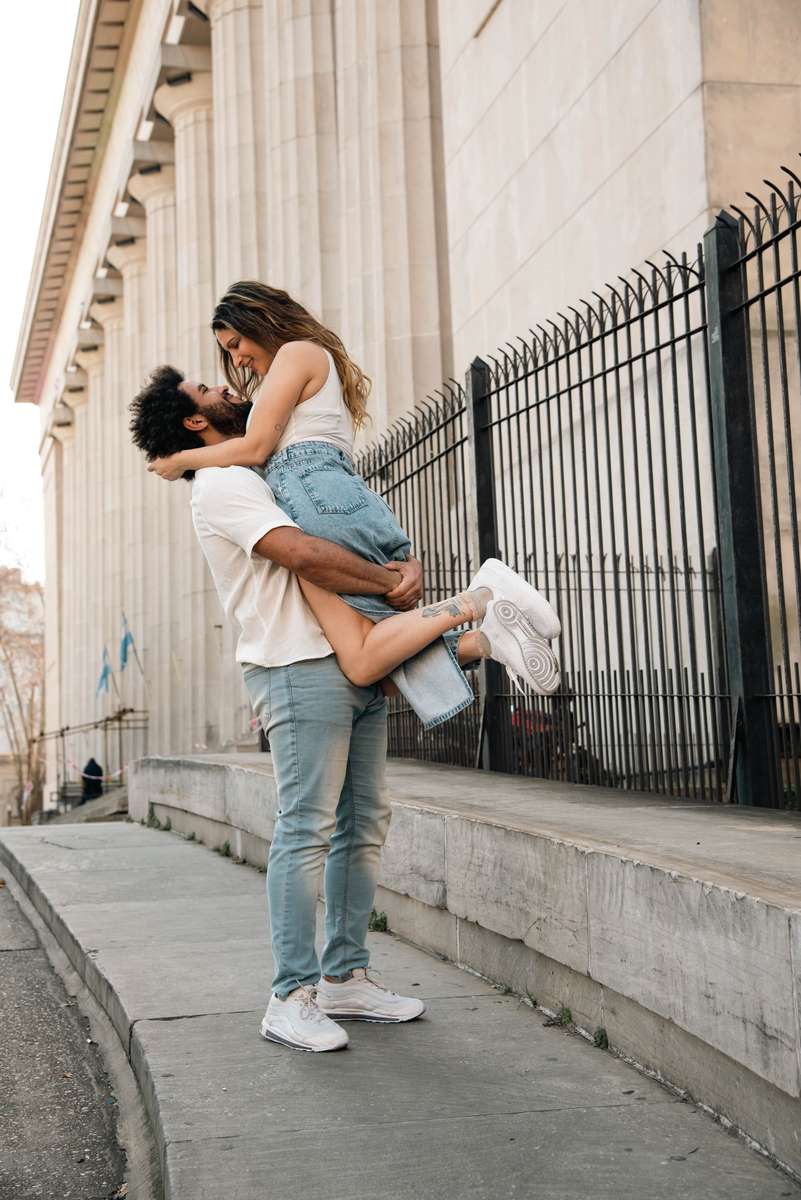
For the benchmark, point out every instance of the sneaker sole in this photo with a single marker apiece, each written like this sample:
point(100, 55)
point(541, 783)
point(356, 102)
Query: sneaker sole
point(552, 626)
point(542, 668)
point(270, 1036)
point(371, 1017)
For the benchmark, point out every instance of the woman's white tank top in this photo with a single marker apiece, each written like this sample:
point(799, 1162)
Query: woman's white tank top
point(324, 417)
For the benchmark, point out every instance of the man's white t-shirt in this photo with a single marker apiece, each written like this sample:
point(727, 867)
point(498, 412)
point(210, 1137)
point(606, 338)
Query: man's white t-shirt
point(232, 508)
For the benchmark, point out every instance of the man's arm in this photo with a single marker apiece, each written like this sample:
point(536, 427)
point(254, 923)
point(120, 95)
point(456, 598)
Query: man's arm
point(236, 504)
point(325, 563)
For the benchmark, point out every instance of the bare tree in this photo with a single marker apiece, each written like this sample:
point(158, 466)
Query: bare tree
point(22, 684)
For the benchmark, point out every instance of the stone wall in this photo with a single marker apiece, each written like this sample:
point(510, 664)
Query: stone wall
point(582, 138)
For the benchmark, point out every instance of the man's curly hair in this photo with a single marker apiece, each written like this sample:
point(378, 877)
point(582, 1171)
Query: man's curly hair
point(157, 416)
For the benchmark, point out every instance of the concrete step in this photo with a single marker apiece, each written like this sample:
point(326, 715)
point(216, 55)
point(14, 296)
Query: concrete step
point(478, 1099)
point(111, 806)
point(673, 926)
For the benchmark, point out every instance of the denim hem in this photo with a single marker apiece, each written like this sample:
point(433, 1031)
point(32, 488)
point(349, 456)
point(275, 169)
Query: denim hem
point(434, 721)
point(294, 985)
point(451, 642)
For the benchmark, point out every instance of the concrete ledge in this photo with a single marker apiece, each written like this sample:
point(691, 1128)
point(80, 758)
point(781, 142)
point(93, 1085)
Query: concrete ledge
point(676, 927)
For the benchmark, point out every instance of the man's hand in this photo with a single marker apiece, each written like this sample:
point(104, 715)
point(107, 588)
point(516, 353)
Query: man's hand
point(406, 595)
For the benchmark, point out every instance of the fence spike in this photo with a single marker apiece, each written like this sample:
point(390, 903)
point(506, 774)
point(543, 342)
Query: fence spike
point(644, 283)
point(558, 338)
point(672, 258)
point(744, 216)
point(759, 204)
point(658, 272)
point(537, 341)
point(792, 175)
point(604, 304)
point(774, 187)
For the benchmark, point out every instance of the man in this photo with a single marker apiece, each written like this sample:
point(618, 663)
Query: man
point(327, 736)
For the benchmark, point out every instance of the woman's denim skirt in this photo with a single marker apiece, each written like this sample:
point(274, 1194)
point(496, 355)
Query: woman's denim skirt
point(316, 485)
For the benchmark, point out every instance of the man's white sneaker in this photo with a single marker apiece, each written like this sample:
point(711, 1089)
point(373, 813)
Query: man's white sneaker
point(506, 584)
point(515, 643)
point(300, 1023)
point(361, 998)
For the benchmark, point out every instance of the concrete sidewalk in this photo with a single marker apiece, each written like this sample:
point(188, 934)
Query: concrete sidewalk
point(477, 1099)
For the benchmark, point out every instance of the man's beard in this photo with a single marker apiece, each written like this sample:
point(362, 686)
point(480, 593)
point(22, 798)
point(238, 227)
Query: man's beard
point(228, 418)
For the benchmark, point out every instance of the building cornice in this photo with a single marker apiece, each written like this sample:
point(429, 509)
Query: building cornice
point(89, 99)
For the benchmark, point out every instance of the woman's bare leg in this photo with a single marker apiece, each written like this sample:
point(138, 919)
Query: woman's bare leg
point(473, 645)
point(368, 651)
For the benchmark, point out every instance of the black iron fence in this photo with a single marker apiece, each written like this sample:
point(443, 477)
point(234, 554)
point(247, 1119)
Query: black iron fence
point(634, 460)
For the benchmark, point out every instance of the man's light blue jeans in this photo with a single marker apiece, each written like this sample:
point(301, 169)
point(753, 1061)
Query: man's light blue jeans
point(328, 741)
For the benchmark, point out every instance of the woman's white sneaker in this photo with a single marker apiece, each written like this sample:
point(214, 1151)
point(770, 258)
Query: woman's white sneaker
point(516, 644)
point(506, 584)
point(361, 998)
point(299, 1022)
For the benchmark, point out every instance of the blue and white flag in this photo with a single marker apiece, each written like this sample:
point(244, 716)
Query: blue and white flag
point(126, 642)
point(105, 674)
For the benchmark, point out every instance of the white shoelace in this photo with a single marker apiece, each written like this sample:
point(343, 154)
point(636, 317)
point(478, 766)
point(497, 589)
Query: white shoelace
point(368, 979)
point(516, 681)
point(309, 1010)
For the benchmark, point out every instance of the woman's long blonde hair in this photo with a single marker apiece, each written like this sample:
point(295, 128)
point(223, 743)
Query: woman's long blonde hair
point(271, 317)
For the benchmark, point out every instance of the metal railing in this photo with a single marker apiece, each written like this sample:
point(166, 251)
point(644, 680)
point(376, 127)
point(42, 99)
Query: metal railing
point(767, 265)
point(634, 459)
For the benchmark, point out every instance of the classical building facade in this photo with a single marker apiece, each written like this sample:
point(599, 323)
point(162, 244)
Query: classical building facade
point(430, 177)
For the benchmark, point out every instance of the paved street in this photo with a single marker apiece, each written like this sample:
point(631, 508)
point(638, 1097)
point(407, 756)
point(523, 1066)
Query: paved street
point(57, 1115)
point(478, 1099)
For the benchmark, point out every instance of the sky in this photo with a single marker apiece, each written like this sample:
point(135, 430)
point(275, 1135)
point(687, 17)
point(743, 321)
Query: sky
point(31, 91)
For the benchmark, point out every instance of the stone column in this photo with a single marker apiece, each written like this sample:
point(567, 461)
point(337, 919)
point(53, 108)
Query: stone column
point(198, 617)
point(54, 681)
point(105, 527)
point(393, 240)
point(303, 168)
point(241, 173)
point(130, 259)
point(240, 142)
point(68, 579)
point(83, 514)
point(162, 502)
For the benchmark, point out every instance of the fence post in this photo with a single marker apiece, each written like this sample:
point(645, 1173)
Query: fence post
point(483, 533)
point(746, 631)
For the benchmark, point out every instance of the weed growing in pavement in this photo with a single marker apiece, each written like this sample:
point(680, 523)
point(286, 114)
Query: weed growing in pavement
point(563, 1017)
point(532, 999)
point(600, 1039)
point(190, 837)
point(152, 820)
point(377, 922)
point(224, 850)
point(167, 826)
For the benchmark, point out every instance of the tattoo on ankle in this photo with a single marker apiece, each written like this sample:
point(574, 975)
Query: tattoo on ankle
point(469, 606)
point(452, 607)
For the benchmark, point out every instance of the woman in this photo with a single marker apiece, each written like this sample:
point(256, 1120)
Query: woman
point(312, 399)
